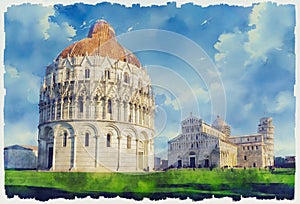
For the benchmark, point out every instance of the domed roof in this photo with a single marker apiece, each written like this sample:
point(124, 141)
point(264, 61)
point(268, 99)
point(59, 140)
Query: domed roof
point(219, 123)
point(101, 40)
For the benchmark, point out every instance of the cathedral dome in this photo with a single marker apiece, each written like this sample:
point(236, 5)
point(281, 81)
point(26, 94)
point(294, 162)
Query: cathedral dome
point(101, 40)
point(219, 123)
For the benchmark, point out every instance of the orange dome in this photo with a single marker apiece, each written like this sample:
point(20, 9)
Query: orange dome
point(101, 40)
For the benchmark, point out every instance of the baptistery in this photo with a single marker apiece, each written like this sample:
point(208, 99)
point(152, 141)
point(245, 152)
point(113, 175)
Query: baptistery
point(96, 108)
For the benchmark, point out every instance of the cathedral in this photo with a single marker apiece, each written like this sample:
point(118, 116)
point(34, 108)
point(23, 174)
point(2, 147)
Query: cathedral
point(96, 108)
point(202, 145)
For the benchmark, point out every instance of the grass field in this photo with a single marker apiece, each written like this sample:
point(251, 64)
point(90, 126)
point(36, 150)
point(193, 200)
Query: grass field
point(196, 184)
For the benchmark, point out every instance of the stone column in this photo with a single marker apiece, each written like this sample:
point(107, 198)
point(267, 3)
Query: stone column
point(132, 114)
point(136, 115)
point(100, 108)
point(73, 152)
point(127, 112)
point(84, 107)
point(68, 108)
point(146, 155)
point(137, 154)
point(96, 151)
point(119, 150)
point(75, 111)
point(113, 114)
point(55, 109)
point(54, 150)
point(87, 108)
point(121, 110)
point(97, 111)
point(104, 108)
point(61, 108)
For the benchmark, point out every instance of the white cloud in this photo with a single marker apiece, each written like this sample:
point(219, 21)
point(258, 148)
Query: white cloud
point(231, 56)
point(22, 85)
point(283, 101)
point(172, 102)
point(268, 27)
point(61, 31)
point(184, 99)
point(20, 133)
point(248, 107)
point(33, 21)
point(271, 24)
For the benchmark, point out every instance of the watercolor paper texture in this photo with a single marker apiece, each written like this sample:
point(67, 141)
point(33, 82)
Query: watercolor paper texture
point(158, 101)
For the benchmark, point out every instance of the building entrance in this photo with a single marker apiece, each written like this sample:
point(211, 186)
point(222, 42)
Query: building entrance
point(179, 163)
point(50, 157)
point(192, 162)
point(206, 163)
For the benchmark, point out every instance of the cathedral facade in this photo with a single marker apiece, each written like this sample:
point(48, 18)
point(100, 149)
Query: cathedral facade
point(202, 145)
point(96, 108)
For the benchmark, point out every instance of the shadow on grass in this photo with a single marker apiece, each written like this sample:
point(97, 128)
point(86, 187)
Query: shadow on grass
point(196, 192)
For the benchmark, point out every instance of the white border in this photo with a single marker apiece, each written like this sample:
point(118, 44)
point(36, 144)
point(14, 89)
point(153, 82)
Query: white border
point(7, 3)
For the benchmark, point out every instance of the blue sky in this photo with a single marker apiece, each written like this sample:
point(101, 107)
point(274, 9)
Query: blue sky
point(250, 49)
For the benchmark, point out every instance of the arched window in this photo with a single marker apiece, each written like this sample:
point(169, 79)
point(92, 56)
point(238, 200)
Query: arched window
point(126, 77)
point(108, 140)
point(109, 106)
point(107, 74)
point(128, 142)
point(80, 105)
point(87, 138)
point(68, 74)
point(53, 111)
point(58, 114)
point(87, 73)
point(65, 139)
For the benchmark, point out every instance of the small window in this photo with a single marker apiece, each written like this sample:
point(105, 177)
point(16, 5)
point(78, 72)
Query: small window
point(248, 148)
point(247, 139)
point(107, 74)
point(87, 73)
point(109, 106)
point(65, 139)
point(126, 77)
point(53, 111)
point(256, 147)
point(245, 158)
point(243, 148)
point(87, 138)
point(67, 74)
point(108, 140)
point(128, 142)
point(252, 147)
point(80, 105)
point(140, 84)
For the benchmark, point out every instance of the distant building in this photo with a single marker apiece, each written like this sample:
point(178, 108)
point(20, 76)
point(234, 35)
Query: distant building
point(20, 157)
point(164, 164)
point(290, 159)
point(202, 145)
point(287, 162)
point(156, 163)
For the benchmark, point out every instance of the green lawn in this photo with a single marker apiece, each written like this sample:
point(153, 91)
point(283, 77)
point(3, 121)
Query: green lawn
point(250, 182)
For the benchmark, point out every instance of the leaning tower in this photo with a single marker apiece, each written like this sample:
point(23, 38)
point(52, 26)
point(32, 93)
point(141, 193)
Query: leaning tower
point(266, 128)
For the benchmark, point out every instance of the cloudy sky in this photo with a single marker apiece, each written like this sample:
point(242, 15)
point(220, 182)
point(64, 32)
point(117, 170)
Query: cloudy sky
point(233, 61)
